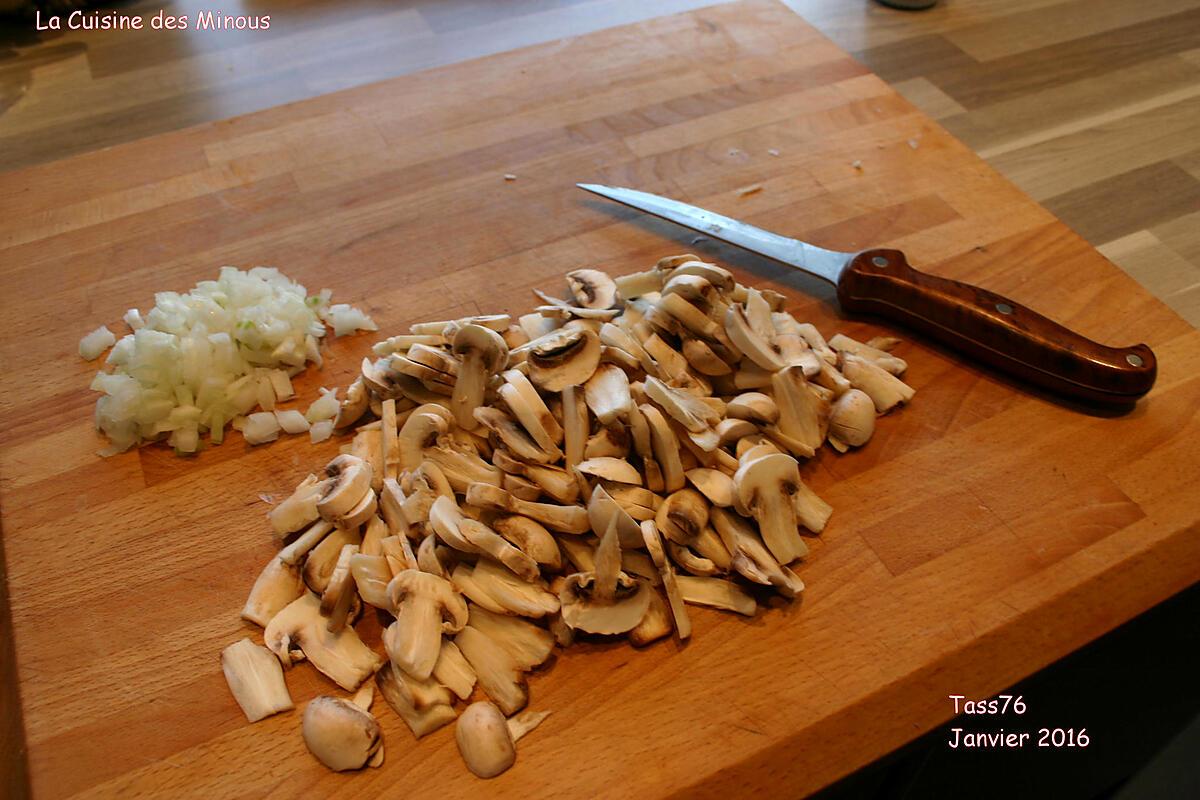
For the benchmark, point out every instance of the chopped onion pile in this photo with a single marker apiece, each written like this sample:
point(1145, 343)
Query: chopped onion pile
point(198, 361)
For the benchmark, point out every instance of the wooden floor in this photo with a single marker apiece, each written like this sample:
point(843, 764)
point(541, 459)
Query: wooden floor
point(1090, 106)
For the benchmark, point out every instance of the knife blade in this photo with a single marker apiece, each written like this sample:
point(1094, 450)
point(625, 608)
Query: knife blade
point(1000, 332)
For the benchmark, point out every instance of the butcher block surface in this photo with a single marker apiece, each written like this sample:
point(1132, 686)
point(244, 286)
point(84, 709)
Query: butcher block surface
point(983, 533)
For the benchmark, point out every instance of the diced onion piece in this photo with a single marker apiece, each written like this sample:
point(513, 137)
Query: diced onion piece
point(261, 427)
point(292, 421)
point(95, 343)
point(320, 431)
point(324, 407)
point(133, 318)
point(346, 319)
point(282, 385)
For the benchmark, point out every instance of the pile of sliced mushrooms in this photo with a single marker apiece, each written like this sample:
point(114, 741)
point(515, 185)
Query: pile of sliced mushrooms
point(590, 469)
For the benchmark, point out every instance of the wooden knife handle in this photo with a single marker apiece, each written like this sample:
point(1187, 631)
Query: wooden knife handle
point(997, 331)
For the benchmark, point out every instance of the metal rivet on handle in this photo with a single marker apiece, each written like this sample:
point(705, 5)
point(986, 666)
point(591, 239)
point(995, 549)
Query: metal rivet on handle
point(1004, 308)
point(1134, 360)
point(879, 261)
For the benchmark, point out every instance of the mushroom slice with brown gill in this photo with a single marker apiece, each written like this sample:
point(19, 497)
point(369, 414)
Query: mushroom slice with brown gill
point(483, 353)
point(530, 537)
point(606, 600)
point(515, 438)
point(277, 585)
point(682, 516)
point(565, 357)
point(751, 559)
point(592, 288)
point(765, 487)
point(426, 606)
point(496, 671)
point(256, 680)
point(420, 430)
point(347, 482)
point(341, 735)
point(391, 683)
point(752, 344)
point(715, 593)
point(654, 546)
point(299, 631)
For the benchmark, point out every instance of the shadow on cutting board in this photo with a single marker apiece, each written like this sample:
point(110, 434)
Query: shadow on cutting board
point(1136, 692)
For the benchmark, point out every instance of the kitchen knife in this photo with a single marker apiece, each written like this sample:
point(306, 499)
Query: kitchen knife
point(986, 326)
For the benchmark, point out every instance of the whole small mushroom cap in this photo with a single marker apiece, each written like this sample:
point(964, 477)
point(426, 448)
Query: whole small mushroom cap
point(340, 734)
point(484, 741)
point(852, 418)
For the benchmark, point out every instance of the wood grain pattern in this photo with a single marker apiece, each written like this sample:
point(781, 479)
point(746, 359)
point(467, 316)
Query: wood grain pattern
point(984, 533)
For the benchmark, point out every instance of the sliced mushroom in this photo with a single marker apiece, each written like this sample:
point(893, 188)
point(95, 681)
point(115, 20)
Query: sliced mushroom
point(655, 625)
point(530, 410)
point(654, 546)
point(514, 437)
point(880, 358)
point(463, 578)
point(682, 516)
point(885, 390)
point(689, 411)
point(299, 509)
point(426, 606)
point(420, 430)
point(277, 586)
point(529, 645)
point(256, 680)
point(607, 393)
point(371, 577)
point(396, 689)
point(716, 593)
point(453, 671)
point(299, 631)
point(514, 595)
point(753, 407)
point(472, 536)
point(749, 342)
point(347, 482)
point(605, 600)
point(462, 466)
point(497, 672)
point(803, 413)
point(765, 487)
point(322, 559)
point(354, 404)
point(555, 482)
point(592, 288)
point(575, 425)
point(299, 547)
point(751, 559)
point(565, 357)
point(530, 538)
point(487, 742)
point(341, 735)
point(568, 519)
point(611, 469)
point(340, 591)
point(483, 352)
point(603, 511)
point(666, 449)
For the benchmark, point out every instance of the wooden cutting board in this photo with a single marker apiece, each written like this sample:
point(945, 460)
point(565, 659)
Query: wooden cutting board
point(983, 533)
